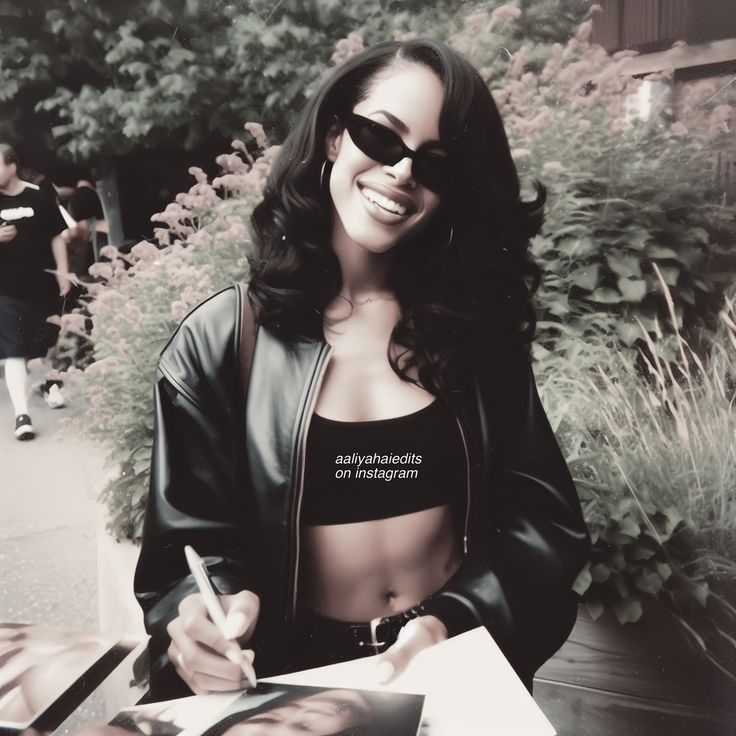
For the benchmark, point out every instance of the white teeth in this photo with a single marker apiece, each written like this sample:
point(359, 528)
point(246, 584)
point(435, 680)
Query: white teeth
point(385, 202)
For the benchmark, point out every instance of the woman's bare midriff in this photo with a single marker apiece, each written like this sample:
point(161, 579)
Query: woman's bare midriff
point(359, 571)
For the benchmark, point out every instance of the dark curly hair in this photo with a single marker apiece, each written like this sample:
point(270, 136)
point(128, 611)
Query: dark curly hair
point(457, 302)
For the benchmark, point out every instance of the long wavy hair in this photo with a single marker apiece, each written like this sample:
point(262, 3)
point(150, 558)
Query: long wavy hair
point(457, 302)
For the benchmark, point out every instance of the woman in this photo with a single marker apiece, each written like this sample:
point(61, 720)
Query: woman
point(391, 286)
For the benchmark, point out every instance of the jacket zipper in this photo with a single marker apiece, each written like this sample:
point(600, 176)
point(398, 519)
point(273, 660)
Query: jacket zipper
point(467, 486)
point(319, 373)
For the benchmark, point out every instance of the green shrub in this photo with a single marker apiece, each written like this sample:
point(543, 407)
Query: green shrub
point(137, 306)
point(654, 459)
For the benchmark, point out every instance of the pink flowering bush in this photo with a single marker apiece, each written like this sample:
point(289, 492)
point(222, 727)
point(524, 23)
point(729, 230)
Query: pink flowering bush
point(637, 245)
point(624, 195)
point(138, 301)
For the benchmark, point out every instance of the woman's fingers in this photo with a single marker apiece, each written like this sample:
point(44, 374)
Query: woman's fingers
point(241, 610)
point(193, 622)
point(202, 656)
point(191, 655)
point(417, 634)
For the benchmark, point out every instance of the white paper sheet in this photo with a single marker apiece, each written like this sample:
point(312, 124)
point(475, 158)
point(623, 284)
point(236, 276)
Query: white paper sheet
point(470, 687)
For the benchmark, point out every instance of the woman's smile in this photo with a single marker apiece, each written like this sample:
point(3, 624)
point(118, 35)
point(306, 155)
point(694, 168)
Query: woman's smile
point(409, 103)
point(386, 206)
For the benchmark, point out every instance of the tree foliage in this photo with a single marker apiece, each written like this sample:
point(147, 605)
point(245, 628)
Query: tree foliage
point(109, 78)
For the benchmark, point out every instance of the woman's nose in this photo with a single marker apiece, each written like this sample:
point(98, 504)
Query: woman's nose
point(401, 170)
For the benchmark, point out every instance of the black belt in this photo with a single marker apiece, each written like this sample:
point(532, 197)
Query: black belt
point(362, 639)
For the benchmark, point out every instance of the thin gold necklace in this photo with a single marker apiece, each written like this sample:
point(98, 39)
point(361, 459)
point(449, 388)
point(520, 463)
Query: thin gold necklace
point(370, 299)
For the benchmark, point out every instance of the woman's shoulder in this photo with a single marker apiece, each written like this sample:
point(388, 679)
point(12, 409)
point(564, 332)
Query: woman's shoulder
point(202, 349)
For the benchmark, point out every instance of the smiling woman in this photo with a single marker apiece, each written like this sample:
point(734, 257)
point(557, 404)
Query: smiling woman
point(391, 290)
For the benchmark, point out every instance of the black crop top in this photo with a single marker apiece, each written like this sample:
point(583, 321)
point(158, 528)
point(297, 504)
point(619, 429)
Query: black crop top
point(358, 471)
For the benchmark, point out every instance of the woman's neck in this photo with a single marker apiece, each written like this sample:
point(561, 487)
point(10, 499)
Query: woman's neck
point(365, 274)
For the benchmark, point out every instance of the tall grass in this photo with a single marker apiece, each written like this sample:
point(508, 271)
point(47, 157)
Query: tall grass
point(672, 437)
point(651, 441)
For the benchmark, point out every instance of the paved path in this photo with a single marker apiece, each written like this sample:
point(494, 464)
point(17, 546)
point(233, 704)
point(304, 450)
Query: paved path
point(49, 520)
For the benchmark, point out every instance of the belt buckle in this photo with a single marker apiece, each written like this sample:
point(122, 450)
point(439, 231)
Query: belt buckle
point(373, 625)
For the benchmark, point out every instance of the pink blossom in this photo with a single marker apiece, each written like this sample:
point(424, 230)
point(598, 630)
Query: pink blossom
point(517, 153)
point(624, 53)
point(101, 270)
point(145, 251)
point(256, 130)
point(185, 275)
point(621, 126)
point(162, 235)
point(518, 62)
point(54, 375)
point(201, 237)
point(236, 233)
point(232, 163)
point(179, 310)
point(506, 13)
point(109, 251)
point(347, 47)
point(73, 323)
point(500, 97)
point(94, 289)
point(584, 30)
point(100, 367)
point(233, 182)
point(677, 129)
point(237, 145)
point(132, 314)
point(553, 167)
point(198, 174)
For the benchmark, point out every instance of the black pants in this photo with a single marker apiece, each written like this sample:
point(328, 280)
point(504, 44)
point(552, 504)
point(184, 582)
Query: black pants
point(318, 641)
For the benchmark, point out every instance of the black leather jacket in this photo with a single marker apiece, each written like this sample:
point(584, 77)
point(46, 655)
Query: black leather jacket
point(228, 480)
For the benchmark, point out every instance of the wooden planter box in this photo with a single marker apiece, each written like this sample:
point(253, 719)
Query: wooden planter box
point(634, 679)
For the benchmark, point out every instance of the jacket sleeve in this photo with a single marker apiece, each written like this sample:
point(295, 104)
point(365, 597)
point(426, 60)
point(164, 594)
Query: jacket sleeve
point(530, 540)
point(194, 493)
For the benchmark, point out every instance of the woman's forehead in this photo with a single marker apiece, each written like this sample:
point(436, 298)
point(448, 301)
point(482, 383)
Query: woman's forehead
point(411, 93)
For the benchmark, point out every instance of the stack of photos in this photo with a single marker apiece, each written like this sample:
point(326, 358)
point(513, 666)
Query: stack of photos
point(276, 710)
point(47, 671)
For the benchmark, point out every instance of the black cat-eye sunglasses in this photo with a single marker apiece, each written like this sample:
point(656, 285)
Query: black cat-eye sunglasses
point(386, 147)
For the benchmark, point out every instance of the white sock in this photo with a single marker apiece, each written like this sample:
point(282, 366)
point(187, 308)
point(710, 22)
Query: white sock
point(15, 380)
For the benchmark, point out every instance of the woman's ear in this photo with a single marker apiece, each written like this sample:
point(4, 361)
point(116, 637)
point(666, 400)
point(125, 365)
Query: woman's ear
point(333, 140)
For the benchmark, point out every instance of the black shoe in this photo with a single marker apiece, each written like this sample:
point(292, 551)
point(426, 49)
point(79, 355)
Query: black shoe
point(24, 428)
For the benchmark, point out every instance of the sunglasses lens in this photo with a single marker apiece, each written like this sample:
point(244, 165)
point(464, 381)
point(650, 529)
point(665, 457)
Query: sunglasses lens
point(433, 171)
point(378, 142)
point(383, 145)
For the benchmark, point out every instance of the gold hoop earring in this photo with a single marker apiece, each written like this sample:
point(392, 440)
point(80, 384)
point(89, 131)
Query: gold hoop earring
point(324, 188)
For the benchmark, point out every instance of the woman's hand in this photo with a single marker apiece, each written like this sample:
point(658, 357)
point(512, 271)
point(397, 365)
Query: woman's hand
point(417, 634)
point(205, 659)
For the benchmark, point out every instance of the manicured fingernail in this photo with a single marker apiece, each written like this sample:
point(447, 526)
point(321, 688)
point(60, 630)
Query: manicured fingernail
point(235, 625)
point(235, 656)
point(385, 671)
point(249, 654)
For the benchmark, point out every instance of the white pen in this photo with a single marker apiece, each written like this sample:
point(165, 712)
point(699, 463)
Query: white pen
point(212, 603)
